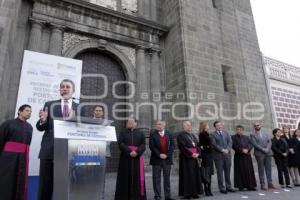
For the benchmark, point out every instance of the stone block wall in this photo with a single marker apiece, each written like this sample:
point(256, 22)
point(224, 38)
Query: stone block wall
point(14, 27)
point(206, 40)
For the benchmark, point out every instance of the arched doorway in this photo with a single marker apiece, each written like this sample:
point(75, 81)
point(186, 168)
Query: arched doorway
point(96, 62)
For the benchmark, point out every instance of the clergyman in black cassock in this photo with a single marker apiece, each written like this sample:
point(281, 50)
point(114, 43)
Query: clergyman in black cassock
point(15, 138)
point(244, 176)
point(131, 177)
point(189, 172)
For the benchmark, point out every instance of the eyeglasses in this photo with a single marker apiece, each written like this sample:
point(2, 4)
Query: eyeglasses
point(256, 125)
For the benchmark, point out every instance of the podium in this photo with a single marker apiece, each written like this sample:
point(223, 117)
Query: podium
point(79, 159)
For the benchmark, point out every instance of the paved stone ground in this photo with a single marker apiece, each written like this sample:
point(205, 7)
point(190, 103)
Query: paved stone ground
point(279, 194)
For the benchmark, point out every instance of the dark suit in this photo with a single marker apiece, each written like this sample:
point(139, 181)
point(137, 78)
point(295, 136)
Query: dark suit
point(47, 148)
point(159, 164)
point(222, 161)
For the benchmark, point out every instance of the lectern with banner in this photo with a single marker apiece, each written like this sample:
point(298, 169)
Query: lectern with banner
point(79, 159)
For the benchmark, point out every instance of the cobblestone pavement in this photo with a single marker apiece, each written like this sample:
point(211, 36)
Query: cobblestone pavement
point(279, 194)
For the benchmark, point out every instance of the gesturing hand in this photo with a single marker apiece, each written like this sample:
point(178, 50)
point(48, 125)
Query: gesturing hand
point(43, 115)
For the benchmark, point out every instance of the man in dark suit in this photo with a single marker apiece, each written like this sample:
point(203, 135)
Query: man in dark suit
point(263, 154)
point(161, 145)
point(221, 142)
point(63, 108)
point(99, 116)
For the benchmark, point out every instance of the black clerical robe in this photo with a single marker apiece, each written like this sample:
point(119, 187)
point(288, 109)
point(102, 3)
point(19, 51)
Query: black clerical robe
point(189, 171)
point(131, 177)
point(243, 167)
point(15, 138)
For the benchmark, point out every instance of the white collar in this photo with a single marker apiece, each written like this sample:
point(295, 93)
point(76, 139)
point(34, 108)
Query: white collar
point(161, 133)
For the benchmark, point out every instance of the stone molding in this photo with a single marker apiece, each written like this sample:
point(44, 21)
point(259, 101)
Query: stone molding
point(78, 44)
point(83, 16)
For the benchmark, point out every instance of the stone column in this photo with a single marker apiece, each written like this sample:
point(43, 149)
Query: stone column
point(35, 38)
point(147, 8)
point(119, 5)
point(153, 10)
point(140, 6)
point(56, 40)
point(142, 88)
point(155, 81)
point(45, 40)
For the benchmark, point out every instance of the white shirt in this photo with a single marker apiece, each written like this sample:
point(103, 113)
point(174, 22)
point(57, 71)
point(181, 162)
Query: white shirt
point(69, 104)
point(161, 133)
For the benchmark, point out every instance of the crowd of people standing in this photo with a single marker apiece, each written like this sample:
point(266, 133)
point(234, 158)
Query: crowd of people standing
point(200, 155)
point(203, 154)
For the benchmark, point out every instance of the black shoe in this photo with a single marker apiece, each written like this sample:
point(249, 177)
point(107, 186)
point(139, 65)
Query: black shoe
point(241, 189)
point(209, 190)
point(252, 189)
point(297, 185)
point(169, 199)
point(289, 186)
point(230, 190)
point(187, 197)
point(223, 191)
point(195, 197)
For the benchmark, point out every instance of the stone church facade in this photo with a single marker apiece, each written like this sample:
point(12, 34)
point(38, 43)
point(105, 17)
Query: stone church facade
point(185, 51)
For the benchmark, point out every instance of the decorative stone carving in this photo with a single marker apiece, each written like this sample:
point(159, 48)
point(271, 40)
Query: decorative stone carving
point(71, 39)
point(129, 52)
point(276, 69)
point(111, 4)
point(129, 6)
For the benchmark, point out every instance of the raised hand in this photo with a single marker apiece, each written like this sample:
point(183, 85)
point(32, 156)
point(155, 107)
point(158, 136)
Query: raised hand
point(43, 115)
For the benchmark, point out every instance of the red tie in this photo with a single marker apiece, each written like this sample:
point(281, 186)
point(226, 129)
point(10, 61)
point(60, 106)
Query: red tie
point(66, 109)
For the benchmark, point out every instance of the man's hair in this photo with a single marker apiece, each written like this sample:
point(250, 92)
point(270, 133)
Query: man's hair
point(216, 123)
point(23, 107)
point(240, 126)
point(132, 118)
point(254, 124)
point(69, 81)
point(275, 131)
point(186, 121)
point(99, 106)
point(161, 121)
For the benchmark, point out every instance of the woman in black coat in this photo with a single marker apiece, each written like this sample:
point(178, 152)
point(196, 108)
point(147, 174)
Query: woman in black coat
point(296, 147)
point(292, 160)
point(207, 168)
point(280, 149)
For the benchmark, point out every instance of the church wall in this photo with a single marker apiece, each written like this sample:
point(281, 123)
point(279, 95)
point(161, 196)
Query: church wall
point(221, 43)
point(14, 30)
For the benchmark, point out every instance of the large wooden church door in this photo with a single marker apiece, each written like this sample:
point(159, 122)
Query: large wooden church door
point(100, 63)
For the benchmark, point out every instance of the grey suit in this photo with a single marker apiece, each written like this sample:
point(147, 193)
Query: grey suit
point(222, 161)
point(262, 141)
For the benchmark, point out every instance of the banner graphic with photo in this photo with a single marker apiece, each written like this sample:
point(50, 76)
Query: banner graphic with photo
point(39, 82)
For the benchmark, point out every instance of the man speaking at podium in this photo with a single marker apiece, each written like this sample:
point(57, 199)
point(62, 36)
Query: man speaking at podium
point(63, 108)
